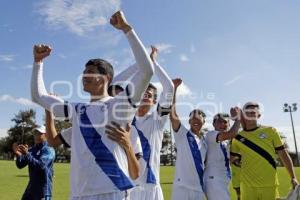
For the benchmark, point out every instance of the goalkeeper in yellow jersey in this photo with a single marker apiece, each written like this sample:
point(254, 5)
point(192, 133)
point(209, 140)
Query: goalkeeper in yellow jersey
point(257, 146)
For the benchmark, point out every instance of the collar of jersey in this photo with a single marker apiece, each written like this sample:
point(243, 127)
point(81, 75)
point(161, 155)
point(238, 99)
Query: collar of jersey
point(253, 129)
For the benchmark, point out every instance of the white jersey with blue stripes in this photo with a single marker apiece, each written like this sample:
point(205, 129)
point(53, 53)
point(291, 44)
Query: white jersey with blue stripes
point(87, 176)
point(152, 125)
point(216, 166)
point(186, 174)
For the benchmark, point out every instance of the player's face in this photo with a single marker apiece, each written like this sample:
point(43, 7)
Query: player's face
point(221, 124)
point(251, 114)
point(196, 122)
point(38, 138)
point(91, 79)
point(148, 98)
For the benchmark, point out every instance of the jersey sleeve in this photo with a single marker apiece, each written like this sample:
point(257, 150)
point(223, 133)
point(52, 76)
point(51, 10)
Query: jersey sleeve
point(125, 75)
point(141, 79)
point(180, 134)
point(166, 97)
point(40, 95)
point(47, 156)
point(277, 141)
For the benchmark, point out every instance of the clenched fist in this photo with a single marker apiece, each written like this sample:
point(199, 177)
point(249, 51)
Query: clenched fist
point(118, 21)
point(40, 52)
point(235, 113)
point(177, 82)
point(153, 53)
point(16, 149)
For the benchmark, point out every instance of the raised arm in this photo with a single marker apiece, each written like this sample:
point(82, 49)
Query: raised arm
point(166, 97)
point(125, 75)
point(228, 135)
point(38, 91)
point(142, 78)
point(175, 121)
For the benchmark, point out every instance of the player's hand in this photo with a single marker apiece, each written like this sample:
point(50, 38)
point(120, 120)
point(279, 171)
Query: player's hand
point(118, 21)
point(16, 149)
point(177, 82)
point(23, 149)
point(40, 52)
point(235, 113)
point(294, 182)
point(119, 134)
point(153, 54)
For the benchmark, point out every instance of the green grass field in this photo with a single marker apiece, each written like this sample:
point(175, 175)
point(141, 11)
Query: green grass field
point(13, 181)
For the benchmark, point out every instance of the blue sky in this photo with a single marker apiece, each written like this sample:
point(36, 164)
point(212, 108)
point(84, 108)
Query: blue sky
point(227, 52)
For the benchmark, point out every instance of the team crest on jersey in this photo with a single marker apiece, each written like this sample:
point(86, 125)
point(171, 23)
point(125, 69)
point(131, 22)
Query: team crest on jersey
point(82, 110)
point(262, 136)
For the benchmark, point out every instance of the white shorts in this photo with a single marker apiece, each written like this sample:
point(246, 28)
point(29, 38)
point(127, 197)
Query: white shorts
point(217, 188)
point(147, 192)
point(121, 195)
point(184, 193)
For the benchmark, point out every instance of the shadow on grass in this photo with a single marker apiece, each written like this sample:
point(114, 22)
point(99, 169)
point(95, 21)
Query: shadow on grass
point(22, 176)
point(166, 183)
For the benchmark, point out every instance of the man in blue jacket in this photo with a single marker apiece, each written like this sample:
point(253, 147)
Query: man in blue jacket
point(39, 159)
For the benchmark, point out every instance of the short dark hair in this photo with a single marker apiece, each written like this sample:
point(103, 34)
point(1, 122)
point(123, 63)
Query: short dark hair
point(197, 111)
point(223, 116)
point(104, 67)
point(112, 88)
point(151, 86)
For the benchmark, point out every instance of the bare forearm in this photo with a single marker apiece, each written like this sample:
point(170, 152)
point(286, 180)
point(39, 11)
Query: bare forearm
point(231, 133)
point(287, 162)
point(133, 163)
point(52, 136)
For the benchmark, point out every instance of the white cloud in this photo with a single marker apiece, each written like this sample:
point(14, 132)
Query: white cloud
point(3, 132)
point(233, 80)
point(29, 66)
point(7, 57)
point(21, 101)
point(78, 16)
point(183, 90)
point(183, 58)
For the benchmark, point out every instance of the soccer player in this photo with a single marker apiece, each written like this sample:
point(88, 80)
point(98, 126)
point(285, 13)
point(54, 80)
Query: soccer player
point(149, 125)
point(217, 172)
point(258, 146)
point(191, 153)
point(39, 160)
point(99, 167)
